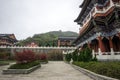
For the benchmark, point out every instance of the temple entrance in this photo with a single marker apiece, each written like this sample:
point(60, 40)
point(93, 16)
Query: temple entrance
point(116, 43)
point(106, 44)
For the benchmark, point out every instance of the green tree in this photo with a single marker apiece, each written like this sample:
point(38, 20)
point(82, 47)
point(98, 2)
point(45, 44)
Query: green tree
point(68, 57)
point(75, 55)
point(85, 55)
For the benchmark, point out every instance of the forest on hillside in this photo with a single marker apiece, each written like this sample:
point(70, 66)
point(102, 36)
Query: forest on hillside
point(47, 39)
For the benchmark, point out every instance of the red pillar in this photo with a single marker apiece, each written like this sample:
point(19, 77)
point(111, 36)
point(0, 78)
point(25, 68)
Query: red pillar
point(110, 42)
point(101, 45)
point(119, 40)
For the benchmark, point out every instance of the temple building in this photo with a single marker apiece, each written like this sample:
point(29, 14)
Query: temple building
point(100, 26)
point(66, 41)
point(32, 44)
point(7, 40)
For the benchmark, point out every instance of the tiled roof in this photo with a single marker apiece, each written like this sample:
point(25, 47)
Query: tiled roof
point(67, 38)
point(8, 36)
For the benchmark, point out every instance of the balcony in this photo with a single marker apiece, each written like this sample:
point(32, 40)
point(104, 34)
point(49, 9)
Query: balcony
point(5, 43)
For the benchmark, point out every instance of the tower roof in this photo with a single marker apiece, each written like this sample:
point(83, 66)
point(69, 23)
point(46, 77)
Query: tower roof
point(67, 38)
point(83, 6)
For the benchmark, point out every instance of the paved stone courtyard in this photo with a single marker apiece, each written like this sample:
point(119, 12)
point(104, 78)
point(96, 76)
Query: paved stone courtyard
point(52, 71)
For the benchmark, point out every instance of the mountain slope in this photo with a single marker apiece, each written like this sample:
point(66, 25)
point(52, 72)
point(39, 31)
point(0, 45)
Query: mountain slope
point(47, 39)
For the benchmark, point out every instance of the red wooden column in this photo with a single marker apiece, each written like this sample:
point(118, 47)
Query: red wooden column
point(111, 44)
point(101, 45)
point(119, 39)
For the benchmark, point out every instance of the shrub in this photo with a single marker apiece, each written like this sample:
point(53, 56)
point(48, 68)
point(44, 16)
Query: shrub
point(95, 58)
point(81, 56)
point(24, 65)
point(25, 56)
point(85, 55)
point(68, 57)
point(75, 55)
point(42, 57)
point(111, 69)
point(4, 63)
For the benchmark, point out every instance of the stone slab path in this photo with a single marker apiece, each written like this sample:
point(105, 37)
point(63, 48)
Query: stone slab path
point(58, 70)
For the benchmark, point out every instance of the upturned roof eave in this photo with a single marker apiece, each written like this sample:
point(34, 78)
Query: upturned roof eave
point(83, 6)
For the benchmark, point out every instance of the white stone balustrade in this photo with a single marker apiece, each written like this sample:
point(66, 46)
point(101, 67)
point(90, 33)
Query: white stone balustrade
point(42, 47)
point(108, 56)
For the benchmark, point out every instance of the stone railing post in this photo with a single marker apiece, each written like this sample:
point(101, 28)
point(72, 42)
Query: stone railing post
point(93, 53)
point(111, 46)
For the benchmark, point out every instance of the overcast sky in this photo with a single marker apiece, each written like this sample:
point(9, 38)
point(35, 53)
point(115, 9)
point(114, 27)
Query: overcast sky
point(25, 18)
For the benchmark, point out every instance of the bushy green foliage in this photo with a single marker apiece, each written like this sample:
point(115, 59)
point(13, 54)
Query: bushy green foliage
point(87, 54)
point(111, 69)
point(95, 58)
point(75, 55)
point(68, 57)
point(3, 62)
point(84, 55)
point(81, 56)
point(42, 57)
point(24, 65)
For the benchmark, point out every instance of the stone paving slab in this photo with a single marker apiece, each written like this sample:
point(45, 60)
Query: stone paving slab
point(54, 70)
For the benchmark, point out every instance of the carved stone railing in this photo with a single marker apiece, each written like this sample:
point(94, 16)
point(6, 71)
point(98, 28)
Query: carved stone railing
point(42, 47)
point(117, 53)
point(4, 42)
point(108, 56)
point(108, 53)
